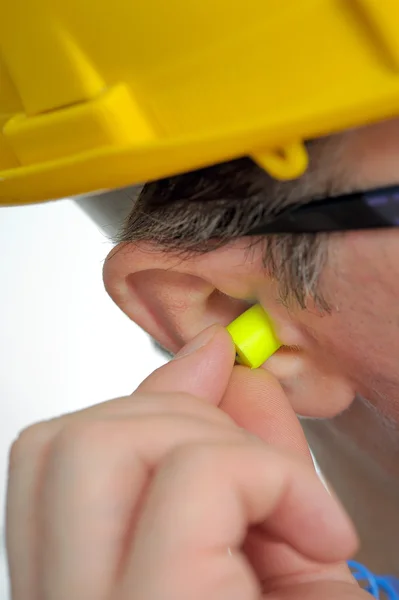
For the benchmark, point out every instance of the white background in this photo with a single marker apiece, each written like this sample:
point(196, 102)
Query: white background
point(63, 343)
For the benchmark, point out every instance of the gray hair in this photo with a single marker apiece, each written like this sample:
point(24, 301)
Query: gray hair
point(201, 210)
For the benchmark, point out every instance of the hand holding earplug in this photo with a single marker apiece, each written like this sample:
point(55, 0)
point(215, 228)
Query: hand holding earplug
point(162, 495)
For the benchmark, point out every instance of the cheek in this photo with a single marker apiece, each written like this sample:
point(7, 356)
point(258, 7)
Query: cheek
point(360, 335)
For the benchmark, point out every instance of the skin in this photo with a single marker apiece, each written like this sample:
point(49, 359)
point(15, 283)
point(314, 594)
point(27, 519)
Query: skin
point(352, 351)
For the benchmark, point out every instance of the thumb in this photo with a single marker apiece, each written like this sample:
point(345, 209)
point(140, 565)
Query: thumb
point(257, 402)
point(202, 368)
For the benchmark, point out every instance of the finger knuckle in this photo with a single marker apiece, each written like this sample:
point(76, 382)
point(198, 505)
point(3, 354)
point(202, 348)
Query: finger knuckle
point(194, 457)
point(30, 442)
point(81, 437)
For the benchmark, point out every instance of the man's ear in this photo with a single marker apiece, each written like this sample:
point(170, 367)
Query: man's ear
point(173, 299)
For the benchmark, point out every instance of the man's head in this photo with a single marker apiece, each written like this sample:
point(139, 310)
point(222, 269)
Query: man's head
point(184, 262)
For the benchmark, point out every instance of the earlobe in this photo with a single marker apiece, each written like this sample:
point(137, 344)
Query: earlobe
point(313, 390)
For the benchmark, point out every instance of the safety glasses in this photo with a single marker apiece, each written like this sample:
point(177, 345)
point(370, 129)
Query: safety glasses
point(375, 209)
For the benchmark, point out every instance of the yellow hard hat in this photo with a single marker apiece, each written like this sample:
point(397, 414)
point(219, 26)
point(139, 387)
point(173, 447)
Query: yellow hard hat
point(99, 94)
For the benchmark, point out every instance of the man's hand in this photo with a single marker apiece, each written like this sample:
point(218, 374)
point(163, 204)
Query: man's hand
point(162, 496)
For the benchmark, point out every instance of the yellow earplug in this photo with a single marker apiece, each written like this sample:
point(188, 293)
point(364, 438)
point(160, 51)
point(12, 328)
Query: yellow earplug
point(254, 337)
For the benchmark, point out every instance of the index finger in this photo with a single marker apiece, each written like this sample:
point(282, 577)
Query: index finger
point(202, 368)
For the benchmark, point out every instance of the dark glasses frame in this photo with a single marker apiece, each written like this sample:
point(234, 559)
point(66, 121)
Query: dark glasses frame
point(374, 209)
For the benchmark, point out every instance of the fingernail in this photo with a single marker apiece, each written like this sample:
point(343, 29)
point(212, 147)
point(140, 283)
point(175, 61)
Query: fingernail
point(201, 340)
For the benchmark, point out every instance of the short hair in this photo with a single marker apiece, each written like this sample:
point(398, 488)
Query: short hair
point(198, 211)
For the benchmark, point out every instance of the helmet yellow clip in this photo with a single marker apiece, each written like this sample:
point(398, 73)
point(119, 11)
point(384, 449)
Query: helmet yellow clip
point(254, 337)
